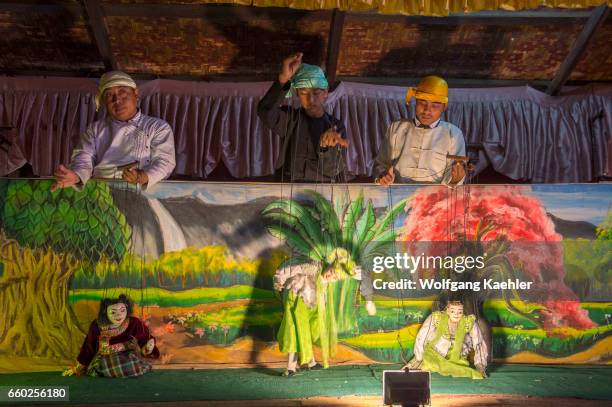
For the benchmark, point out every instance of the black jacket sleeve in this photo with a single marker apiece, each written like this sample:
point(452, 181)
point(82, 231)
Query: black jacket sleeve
point(269, 109)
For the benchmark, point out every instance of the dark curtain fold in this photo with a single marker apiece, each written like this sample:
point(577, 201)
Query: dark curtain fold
point(526, 134)
point(213, 123)
point(49, 115)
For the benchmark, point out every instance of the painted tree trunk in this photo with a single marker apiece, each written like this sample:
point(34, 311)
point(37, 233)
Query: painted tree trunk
point(35, 317)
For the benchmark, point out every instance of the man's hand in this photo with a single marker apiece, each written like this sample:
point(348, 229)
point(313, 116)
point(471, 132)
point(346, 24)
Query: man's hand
point(457, 173)
point(290, 66)
point(388, 178)
point(135, 176)
point(331, 138)
point(64, 178)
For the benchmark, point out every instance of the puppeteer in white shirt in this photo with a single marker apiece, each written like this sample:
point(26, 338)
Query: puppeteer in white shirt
point(417, 150)
point(108, 145)
point(419, 154)
point(125, 145)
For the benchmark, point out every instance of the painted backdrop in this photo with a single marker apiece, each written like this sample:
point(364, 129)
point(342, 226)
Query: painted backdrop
point(199, 258)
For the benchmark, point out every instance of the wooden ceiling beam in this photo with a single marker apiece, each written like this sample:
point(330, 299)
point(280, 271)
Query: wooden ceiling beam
point(541, 13)
point(41, 7)
point(86, 73)
point(156, 10)
point(199, 10)
point(77, 73)
point(389, 81)
point(486, 21)
point(95, 16)
point(336, 27)
point(453, 82)
point(597, 18)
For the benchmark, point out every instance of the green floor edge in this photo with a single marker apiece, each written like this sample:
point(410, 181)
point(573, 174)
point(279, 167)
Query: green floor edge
point(586, 382)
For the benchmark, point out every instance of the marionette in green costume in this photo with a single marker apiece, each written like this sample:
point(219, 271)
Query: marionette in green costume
point(444, 342)
point(309, 317)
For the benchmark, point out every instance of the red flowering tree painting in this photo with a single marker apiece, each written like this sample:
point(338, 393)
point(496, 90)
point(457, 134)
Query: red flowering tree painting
point(508, 215)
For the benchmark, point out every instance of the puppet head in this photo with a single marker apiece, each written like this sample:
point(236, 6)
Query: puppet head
point(113, 311)
point(339, 265)
point(454, 310)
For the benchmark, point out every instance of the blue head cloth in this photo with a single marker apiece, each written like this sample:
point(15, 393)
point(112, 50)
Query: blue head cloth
point(308, 76)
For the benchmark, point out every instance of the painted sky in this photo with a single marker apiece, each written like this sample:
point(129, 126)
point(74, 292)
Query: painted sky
point(576, 202)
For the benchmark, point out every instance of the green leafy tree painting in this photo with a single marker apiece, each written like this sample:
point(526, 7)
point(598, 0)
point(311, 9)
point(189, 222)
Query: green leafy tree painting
point(314, 229)
point(46, 237)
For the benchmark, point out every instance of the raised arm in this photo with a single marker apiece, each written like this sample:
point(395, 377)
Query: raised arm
point(269, 109)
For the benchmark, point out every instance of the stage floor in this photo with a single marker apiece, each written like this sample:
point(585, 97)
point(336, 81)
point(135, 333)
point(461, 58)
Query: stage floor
point(508, 385)
point(438, 400)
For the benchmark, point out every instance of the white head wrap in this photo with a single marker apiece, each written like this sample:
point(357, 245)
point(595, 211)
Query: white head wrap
point(112, 79)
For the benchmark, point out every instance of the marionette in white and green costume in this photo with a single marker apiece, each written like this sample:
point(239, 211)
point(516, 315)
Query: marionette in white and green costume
point(444, 342)
point(309, 317)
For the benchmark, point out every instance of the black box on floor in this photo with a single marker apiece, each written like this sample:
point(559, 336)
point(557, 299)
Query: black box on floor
point(406, 388)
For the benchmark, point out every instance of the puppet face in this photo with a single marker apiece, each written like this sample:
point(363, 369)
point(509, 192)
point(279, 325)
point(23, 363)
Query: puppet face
point(116, 313)
point(428, 112)
point(312, 100)
point(455, 312)
point(121, 102)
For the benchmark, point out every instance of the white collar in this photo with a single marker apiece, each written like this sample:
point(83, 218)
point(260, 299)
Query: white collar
point(431, 126)
point(134, 120)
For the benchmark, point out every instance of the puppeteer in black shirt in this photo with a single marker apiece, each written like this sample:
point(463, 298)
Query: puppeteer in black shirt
point(301, 159)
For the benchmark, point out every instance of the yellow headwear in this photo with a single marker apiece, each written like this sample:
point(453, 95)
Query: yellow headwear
point(432, 88)
point(112, 79)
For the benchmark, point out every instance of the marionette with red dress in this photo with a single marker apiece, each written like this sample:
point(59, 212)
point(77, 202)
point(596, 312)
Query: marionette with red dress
point(117, 344)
